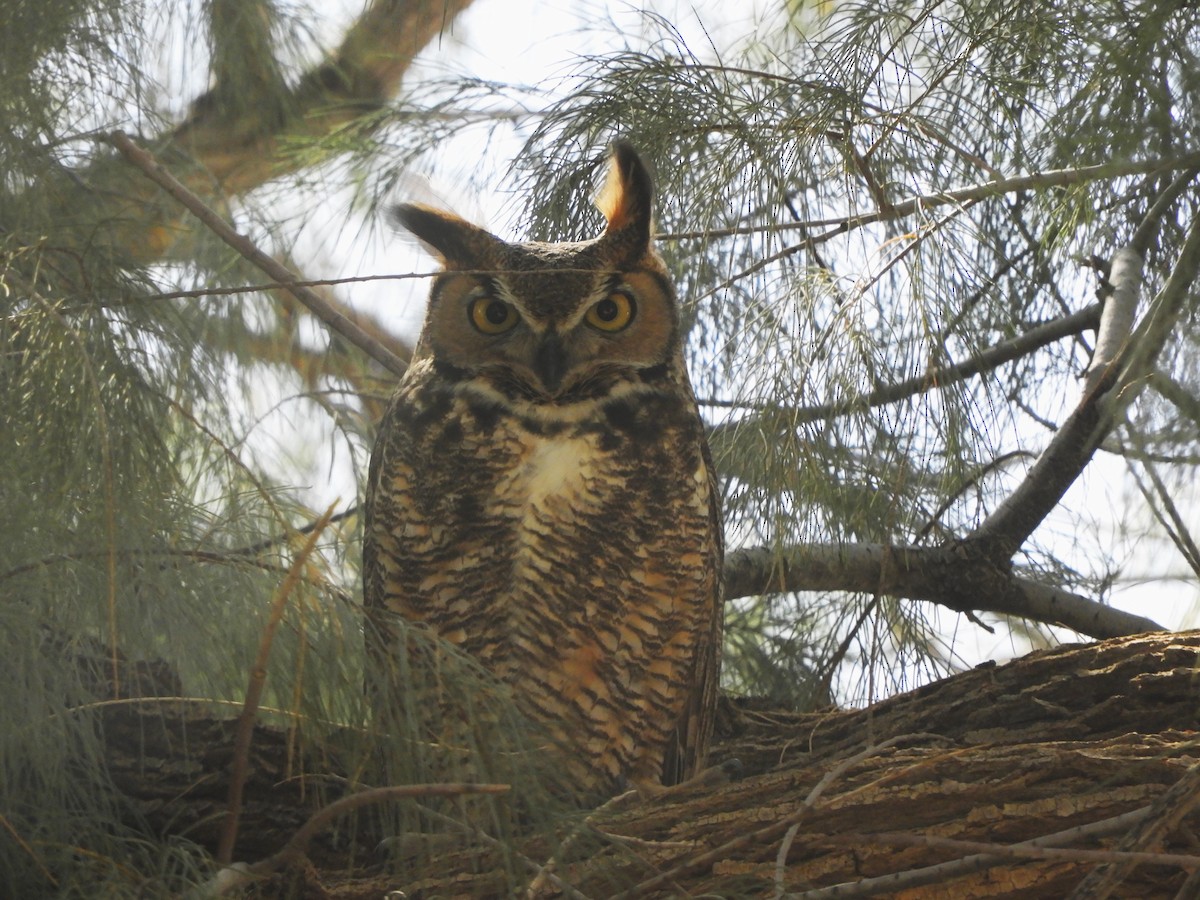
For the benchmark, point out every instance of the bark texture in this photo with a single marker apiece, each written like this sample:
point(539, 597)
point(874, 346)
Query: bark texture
point(999, 754)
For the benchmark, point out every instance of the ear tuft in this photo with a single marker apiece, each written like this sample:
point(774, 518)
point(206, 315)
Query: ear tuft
point(455, 240)
point(627, 197)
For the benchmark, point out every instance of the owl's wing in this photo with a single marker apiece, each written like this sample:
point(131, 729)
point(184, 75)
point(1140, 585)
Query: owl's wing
point(380, 509)
point(685, 755)
point(372, 571)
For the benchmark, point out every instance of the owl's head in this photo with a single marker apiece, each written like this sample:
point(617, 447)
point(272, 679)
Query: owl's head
point(553, 323)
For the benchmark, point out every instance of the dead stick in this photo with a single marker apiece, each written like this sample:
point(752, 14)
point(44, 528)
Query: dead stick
point(1017, 851)
point(955, 868)
point(298, 843)
point(236, 876)
point(1165, 815)
point(258, 678)
point(772, 831)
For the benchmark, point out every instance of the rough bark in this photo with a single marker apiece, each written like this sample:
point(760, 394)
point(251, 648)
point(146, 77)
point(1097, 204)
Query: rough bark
point(999, 754)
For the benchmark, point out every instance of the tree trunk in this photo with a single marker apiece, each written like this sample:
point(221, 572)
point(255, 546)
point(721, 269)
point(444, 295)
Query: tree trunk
point(1000, 755)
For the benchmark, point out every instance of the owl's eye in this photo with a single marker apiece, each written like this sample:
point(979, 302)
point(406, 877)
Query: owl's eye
point(492, 316)
point(612, 313)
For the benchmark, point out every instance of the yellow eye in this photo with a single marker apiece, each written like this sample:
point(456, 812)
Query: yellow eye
point(612, 313)
point(491, 316)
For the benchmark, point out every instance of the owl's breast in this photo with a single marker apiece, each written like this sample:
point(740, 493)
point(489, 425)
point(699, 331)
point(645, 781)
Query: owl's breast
point(573, 552)
point(548, 467)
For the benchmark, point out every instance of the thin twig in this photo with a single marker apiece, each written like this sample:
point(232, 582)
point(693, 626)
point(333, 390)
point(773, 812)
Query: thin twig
point(230, 557)
point(243, 245)
point(1011, 184)
point(776, 829)
point(824, 679)
point(1003, 533)
point(299, 841)
point(233, 877)
point(1010, 851)
point(1144, 238)
point(1182, 398)
point(1165, 815)
point(972, 480)
point(785, 847)
point(24, 845)
point(268, 543)
point(1163, 508)
point(546, 871)
point(1190, 889)
point(531, 866)
point(935, 379)
point(897, 881)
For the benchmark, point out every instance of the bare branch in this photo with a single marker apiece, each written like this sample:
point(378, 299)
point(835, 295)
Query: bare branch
point(1165, 815)
point(1007, 185)
point(941, 377)
point(1163, 508)
point(362, 74)
point(258, 677)
point(1120, 310)
point(942, 872)
point(1146, 236)
point(1071, 449)
point(776, 829)
point(941, 575)
point(1014, 851)
point(236, 876)
point(1175, 393)
point(332, 317)
point(229, 148)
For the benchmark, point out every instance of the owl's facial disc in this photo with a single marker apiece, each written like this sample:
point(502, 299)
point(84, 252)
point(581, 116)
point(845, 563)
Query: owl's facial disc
point(553, 341)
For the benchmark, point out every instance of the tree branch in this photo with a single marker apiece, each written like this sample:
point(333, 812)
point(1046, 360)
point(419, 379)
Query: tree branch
point(768, 833)
point(1166, 813)
point(1120, 311)
point(1009, 184)
point(941, 377)
point(234, 877)
point(1175, 393)
point(1110, 393)
point(356, 79)
point(941, 873)
point(258, 677)
point(228, 148)
point(942, 575)
point(327, 313)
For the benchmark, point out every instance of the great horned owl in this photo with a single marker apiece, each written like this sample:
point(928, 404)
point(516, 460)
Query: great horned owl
point(541, 493)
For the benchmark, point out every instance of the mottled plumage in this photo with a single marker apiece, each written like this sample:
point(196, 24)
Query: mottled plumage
point(541, 494)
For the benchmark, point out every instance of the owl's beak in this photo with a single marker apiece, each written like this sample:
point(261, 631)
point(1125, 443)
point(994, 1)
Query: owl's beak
point(550, 361)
